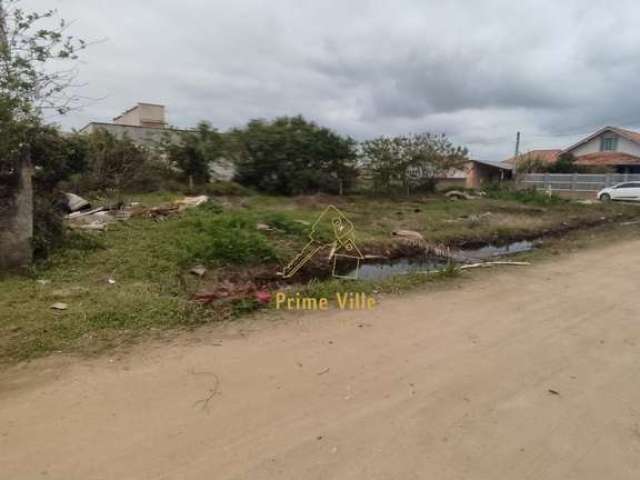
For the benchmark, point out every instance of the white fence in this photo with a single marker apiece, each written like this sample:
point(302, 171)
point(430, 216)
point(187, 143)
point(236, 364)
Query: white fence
point(575, 182)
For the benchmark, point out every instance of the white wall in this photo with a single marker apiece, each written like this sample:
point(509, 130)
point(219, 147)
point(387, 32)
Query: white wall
point(593, 146)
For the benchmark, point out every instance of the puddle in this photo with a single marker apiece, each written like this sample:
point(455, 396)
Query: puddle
point(382, 270)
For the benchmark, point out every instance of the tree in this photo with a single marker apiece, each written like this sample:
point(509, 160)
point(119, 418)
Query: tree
point(195, 152)
point(291, 155)
point(29, 84)
point(412, 163)
point(531, 164)
point(566, 163)
point(115, 163)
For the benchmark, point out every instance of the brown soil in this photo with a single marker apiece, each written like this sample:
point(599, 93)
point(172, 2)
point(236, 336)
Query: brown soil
point(522, 373)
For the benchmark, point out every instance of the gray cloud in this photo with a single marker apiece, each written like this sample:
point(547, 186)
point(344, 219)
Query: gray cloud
point(478, 71)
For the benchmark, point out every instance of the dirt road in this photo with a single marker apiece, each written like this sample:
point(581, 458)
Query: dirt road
point(454, 384)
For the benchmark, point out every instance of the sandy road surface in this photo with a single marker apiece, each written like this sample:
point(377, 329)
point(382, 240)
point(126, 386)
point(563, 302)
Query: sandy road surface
point(447, 385)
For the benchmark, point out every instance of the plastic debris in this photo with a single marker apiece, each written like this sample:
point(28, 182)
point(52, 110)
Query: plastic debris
point(59, 306)
point(76, 202)
point(263, 296)
point(198, 270)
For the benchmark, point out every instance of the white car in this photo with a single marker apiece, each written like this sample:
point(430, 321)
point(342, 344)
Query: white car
point(621, 191)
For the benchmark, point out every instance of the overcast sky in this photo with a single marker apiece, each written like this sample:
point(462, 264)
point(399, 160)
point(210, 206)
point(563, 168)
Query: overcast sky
point(475, 70)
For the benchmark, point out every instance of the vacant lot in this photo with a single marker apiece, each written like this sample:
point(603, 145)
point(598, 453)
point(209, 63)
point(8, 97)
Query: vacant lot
point(528, 373)
point(134, 277)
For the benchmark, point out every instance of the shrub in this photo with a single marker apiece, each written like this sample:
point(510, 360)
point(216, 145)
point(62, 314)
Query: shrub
point(531, 164)
point(48, 227)
point(410, 163)
point(225, 188)
point(292, 156)
point(224, 238)
point(195, 152)
point(566, 163)
point(119, 164)
point(527, 196)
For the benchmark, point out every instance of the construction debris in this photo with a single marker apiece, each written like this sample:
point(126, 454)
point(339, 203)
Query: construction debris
point(190, 202)
point(264, 227)
point(198, 270)
point(59, 306)
point(99, 218)
point(76, 202)
point(408, 235)
point(84, 213)
point(459, 195)
point(96, 219)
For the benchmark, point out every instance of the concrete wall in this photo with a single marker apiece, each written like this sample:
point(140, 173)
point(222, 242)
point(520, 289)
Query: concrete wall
point(143, 115)
point(593, 146)
point(145, 136)
point(16, 222)
point(130, 117)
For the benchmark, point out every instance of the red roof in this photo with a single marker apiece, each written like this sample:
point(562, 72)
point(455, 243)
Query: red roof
point(607, 158)
point(547, 156)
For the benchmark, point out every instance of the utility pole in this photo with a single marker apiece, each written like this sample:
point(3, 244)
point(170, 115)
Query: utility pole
point(516, 153)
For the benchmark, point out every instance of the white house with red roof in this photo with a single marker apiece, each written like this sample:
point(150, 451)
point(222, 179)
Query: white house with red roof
point(613, 147)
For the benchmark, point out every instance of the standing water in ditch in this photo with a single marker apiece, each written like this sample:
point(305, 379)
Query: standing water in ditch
point(429, 263)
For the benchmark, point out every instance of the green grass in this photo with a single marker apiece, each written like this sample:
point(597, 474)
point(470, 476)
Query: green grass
point(150, 261)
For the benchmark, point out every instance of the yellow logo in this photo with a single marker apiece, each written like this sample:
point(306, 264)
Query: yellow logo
point(342, 244)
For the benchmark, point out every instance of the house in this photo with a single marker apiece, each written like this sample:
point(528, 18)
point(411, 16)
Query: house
point(481, 172)
point(544, 155)
point(611, 147)
point(145, 124)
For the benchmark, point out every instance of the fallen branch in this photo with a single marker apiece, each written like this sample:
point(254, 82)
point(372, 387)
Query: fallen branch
point(204, 402)
point(491, 264)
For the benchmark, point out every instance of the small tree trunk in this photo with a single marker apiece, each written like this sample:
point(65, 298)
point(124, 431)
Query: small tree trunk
point(16, 221)
point(190, 183)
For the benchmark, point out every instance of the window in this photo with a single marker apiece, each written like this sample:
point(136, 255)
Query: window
point(609, 144)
